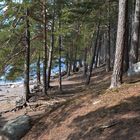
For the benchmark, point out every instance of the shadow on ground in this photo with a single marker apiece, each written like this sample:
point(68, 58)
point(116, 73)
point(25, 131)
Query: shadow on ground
point(119, 122)
point(96, 124)
point(126, 118)
point(55, 119)
point(100, 81)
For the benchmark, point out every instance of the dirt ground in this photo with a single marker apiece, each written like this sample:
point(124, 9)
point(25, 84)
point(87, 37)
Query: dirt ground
point(88, 113)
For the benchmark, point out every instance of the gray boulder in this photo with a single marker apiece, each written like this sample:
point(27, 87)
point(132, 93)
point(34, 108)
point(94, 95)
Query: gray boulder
point(20, 101)
point(15, 129)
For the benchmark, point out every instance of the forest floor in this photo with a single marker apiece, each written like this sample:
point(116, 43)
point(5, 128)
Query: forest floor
point(86, 113)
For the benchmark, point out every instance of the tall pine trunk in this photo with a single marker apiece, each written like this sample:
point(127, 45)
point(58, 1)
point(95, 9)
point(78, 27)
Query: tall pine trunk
point(60, 48)
point(27, 58)
point(108, 57)
point(126, 48)
point(135, 34)
point(85, 62)
point(69, 62)
point(45, 50)
point(98, 51)
point(75, 59)
point(69, 69)
point(38, 70)
point(93, 56)
point(51, 50)
point(121, 32)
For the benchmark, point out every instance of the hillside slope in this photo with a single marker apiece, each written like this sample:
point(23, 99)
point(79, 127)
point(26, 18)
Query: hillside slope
point(96, 114)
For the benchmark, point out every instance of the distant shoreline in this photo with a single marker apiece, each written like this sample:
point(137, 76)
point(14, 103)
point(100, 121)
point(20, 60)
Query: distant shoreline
point(10, 83)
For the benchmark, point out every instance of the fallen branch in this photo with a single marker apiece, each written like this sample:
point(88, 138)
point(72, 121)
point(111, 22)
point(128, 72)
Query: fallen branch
point(110, 124)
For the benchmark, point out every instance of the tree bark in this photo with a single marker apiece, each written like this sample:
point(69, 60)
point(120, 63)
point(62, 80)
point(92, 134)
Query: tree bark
point(93, 56)
point(117, 70)
point(98, 51)
point(108, 57)
point(75, 59)
point(69, 61)
point(27, 58)
point(60, 47)
point(85, 63)
point(38, 70)
point(135, 34)
point(69, 68)
point(45, 50)
point(51, 50)
point(126, 48)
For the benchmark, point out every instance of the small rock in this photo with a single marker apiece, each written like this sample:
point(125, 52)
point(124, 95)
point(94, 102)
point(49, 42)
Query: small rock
point(13, 86)
point(36, 89)
point(96, 102)
point(20, 102)
point(33, 99)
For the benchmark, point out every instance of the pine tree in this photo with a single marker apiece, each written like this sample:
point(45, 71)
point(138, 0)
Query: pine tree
point(117, 70)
